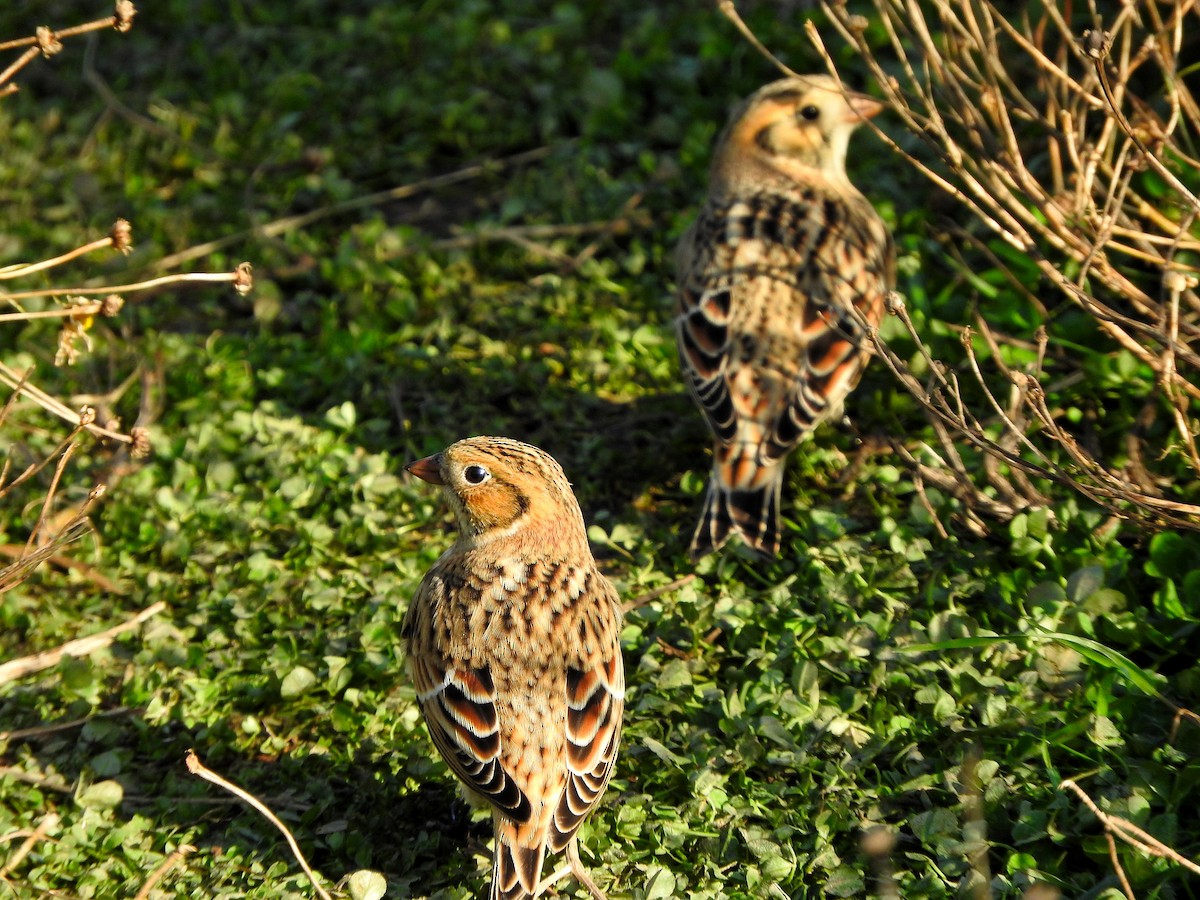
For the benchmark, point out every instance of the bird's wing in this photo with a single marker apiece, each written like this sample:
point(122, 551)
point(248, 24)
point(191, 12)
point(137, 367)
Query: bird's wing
point(459, 706)
point(799, 268)
point(845, 279)
point(595, 706)
point(705, 296)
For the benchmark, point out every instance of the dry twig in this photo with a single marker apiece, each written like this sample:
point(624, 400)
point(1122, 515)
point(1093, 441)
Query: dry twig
point(174, 859)
point(43, 730)
point(48, 42)
point(44, 828)
point(19, 668)
point(1118, 827)
point(197, 768)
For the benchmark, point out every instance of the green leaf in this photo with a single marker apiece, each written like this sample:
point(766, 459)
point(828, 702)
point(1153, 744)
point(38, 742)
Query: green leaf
point(366, 885)
point(296, 682)
point(101, 795)
point(660, 750)
point(342, 416)
point(1084, 582)
point(660, 883)
point(845, 882)
point(1108, 658)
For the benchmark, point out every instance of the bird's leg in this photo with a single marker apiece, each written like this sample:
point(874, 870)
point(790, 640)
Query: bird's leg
point(546, 883)
point(581, 874)
point(575, 868)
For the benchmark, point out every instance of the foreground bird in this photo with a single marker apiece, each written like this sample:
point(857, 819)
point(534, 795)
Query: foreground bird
point(513, 646)
point(783, 252)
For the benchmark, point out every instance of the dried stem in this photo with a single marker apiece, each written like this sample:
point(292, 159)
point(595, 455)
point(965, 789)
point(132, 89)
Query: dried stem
point(654, 593)
point(238, 278)
point(19, 668)
point(403, 192)
point(174, 859)
point(44, 828)
point(197, 768)
point(1118, 827)
point(22, 734)
point(18, 382)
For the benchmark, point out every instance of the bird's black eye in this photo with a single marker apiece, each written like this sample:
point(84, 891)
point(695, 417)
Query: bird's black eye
point(810, 113)
point(476, 474)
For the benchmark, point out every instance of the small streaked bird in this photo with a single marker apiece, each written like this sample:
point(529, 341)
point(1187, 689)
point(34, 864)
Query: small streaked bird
point(514, 649)
point(784, 251)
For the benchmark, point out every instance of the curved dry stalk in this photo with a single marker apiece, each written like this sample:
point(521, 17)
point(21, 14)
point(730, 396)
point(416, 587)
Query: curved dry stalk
point(44, 828)
point(119, 237)
point(290, 223)
point(241, 279)
point(1118, 827)
point(198, 768)
point(19, 668)
point(174, 859)
point(1097, 53)
point(19, 383)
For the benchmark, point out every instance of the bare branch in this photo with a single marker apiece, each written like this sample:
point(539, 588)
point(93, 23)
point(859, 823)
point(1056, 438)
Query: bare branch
point(197, 768)
point(19, 668)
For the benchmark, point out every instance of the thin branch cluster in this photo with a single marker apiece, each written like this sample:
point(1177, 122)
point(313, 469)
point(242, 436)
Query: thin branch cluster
point(1068, 139)
point(77, 308)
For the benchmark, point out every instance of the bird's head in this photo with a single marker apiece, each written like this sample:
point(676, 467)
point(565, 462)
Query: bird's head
point(804, 121)
point(502, 488)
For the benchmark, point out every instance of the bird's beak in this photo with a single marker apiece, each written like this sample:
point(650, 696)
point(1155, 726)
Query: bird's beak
point(864, 107)
point(427, 469)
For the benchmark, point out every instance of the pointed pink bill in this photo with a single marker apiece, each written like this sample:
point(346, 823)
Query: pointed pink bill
point(864, 106)
point(427, 469)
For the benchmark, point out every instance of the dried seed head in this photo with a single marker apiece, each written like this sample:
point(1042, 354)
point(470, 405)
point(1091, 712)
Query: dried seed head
point(244, 282)
point(141, 442)
point(87, 415)
point(70, 336)
point(895, 302)
point(122, 236)
point(47, 41)
point(111, 305)
point(1177, 282)
point(1095, 43)
point(123, 13)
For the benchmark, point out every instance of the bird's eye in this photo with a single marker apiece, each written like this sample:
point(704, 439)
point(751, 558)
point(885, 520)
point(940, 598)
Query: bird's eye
point(476, 474)
point(810, 113)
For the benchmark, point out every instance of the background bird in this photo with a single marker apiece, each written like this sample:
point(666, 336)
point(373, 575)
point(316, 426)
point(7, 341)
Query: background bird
point(513, 646)
point(783, 252)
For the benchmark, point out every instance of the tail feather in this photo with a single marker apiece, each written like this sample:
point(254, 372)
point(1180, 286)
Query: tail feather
point(516, 870)
point(752, 512)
